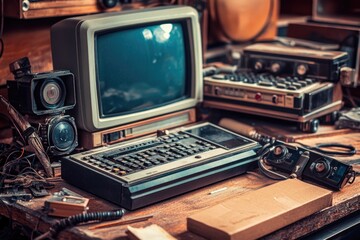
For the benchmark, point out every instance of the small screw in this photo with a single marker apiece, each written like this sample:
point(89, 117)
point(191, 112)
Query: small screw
point(25, 5)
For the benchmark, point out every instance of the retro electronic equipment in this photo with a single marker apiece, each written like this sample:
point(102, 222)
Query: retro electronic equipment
point(150, 169)
point(132, 77)
point(303, 102)
point(42, 93)
point(58, 133)
point(294, 61)
point(347, 37)
point(307, 165)
point(43, 98)
point(280, 82)
point(139, 73)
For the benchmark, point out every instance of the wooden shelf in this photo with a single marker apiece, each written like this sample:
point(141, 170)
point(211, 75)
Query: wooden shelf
point(52, 8)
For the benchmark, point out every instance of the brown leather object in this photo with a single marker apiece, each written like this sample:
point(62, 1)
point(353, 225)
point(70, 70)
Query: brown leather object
point(242, 20)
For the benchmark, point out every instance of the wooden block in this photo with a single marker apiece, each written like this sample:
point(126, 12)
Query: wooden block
point(152, 231)
point(257, 213)
point(65, 206)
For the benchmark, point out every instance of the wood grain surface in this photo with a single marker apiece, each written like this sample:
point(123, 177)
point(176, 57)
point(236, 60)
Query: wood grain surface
point(171, 214)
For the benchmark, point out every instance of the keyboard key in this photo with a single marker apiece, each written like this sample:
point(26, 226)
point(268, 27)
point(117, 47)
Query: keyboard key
point(281, 85)
point(308, 80)
point(297, 85)
point(265, 83)
point(281, 80)
point(303, 83)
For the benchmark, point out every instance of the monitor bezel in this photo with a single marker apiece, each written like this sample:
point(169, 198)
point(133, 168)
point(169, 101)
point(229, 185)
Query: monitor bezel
point(87, 30)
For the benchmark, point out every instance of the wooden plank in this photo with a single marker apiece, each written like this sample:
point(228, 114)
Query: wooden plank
point(258, 213)
point(55, 8)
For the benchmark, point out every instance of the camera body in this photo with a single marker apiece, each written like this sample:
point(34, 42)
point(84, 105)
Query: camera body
point(43, 98)
point(40, 93)
point(315, 167)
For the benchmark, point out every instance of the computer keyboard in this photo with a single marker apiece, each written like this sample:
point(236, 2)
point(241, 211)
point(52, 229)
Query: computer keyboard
point(150, 169)
point(291, 83)
point(148, 154)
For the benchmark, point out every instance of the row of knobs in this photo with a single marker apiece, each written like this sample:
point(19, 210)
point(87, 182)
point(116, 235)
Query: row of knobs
point(278, 67)
point(320, 166)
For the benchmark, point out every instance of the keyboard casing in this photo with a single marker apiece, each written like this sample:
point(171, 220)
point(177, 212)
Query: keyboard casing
point(210, 154)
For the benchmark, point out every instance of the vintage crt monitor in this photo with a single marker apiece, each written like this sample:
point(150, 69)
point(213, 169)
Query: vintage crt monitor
point(135, 72)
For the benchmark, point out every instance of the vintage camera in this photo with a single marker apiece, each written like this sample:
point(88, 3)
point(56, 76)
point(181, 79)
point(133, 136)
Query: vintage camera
point(309, 165)
point(44, 98)
point(58, 133)
point(40, 93)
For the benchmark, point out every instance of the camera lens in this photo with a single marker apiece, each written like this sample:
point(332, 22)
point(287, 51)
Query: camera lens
point(63, 135)
point(108, 3)
point(52, 93)
point(58, 134)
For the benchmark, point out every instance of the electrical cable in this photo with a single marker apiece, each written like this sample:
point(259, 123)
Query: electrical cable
point(81, 218)
point(348, 150)
point(269, 173)
point(33, 139)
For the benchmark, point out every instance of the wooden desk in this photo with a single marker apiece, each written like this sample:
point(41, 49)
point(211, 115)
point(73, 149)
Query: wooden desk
point(171, 214)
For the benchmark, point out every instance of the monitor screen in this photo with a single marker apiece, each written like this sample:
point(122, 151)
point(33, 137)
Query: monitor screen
point(130, 82)
point(130, 66)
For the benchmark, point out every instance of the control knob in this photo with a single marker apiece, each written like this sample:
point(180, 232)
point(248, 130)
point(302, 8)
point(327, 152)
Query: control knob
point(259, 65)
point(279, 154)
point(321, 167)
point(302, 69)
point(277, 67)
